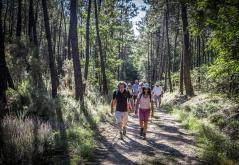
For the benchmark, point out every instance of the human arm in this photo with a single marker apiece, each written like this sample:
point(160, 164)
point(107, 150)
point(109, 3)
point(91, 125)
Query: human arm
point(137, 104)
point(113, 102)
point(152, 108)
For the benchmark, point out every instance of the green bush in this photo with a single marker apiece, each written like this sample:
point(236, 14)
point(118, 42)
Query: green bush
point(218, 119)
point(80, 141)
point(167, 107)
point(218, 149)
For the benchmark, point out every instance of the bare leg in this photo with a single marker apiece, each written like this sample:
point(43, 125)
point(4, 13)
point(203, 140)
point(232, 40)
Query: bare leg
point(141, 123)
point(145, 129)
point(145, 126)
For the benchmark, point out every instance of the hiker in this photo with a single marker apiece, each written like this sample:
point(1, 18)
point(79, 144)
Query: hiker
point(131, 102)
point(121, 99)
point(139, 92)
point(157, 94)
point(145, 107)
point(135, 89)
point(141, 84)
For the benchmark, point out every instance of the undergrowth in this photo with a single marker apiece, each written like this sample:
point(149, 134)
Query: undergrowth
point(211, 118)
point(40, 129)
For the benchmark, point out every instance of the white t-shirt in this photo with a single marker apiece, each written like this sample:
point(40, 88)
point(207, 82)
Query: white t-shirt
point(144, 103)
point(157, 90)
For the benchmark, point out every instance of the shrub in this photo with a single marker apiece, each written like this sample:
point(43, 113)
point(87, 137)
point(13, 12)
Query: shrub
point(218, 149)
point(20, 137)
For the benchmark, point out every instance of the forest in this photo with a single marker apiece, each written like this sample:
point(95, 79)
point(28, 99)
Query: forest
point(61, 61)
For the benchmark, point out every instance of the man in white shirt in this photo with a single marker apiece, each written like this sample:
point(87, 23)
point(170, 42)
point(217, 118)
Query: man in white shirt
point(157, 94)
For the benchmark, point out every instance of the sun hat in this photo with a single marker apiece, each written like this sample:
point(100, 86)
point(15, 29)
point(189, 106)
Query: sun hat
point(146, 85)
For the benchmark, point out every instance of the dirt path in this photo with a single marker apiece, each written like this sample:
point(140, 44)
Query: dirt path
point(167, 143)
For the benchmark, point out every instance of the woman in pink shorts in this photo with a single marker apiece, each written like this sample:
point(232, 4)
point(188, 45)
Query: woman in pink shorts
point(145, 107)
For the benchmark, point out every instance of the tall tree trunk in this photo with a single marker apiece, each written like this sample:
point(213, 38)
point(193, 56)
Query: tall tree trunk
point(181, 74)
point(50, 52)
point(102, 63)
point(3, 67)
point(59, 55)
point(75, 52)
point(161, 67)
point(175, 40)
point(3, 81)
point(11, 21)
point(168, 49)
point(199, 60)
point(19, 20)
point(69, 55)
point(65, 32)
point(34, 27)
point(87, 38)
point(30, 19)
point(187, 60)
point(5, 17)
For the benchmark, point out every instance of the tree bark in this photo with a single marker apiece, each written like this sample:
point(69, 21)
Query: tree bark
point(186, 59)
point(181, 74)
point(168, 49)
point(19, 20)
point(87, 38)
point(3, 67)
point(50, 52)
point(199, 61)
point(102, 63)
point(175, 41)
point(30, 20)
point(75, 52)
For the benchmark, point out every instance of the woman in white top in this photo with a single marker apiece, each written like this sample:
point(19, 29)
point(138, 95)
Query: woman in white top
point(145, 106)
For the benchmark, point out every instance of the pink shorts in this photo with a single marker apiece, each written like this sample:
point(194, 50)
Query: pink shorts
point(144, 114)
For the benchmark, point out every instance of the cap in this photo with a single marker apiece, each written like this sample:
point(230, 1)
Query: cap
point(146, 85)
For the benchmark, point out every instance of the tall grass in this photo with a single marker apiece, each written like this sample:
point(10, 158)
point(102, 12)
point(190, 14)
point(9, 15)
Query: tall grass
point(49, 131)
point(207, 116)
point(20, 136)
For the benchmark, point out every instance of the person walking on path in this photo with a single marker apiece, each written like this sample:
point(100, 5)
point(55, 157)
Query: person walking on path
point(157, 94)
point(135, 89)
point(145, 107)
point(139, 92)
point(120, 100)
point(131, 102)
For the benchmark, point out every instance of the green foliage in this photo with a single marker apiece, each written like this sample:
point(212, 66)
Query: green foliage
point(37, 132)
point(218, 148)
point(216, 135)
point(80, 141)
point(217, 21)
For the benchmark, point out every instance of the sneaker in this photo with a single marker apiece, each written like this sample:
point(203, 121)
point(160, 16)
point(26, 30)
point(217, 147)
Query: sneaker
point(121, 135)
point(144, 136)
point(124, 131)
point(141, 131)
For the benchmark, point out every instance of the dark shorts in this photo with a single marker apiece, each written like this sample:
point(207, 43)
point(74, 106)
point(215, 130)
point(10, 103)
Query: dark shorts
point(135, 97)
point(144, 114)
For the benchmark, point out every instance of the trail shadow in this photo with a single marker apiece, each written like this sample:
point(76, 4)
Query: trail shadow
point(60, 153)
point(107, 149)
point(174, 138)
point(165, 148)
point(152, 145)
point(170, 129)
point(61, 142)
